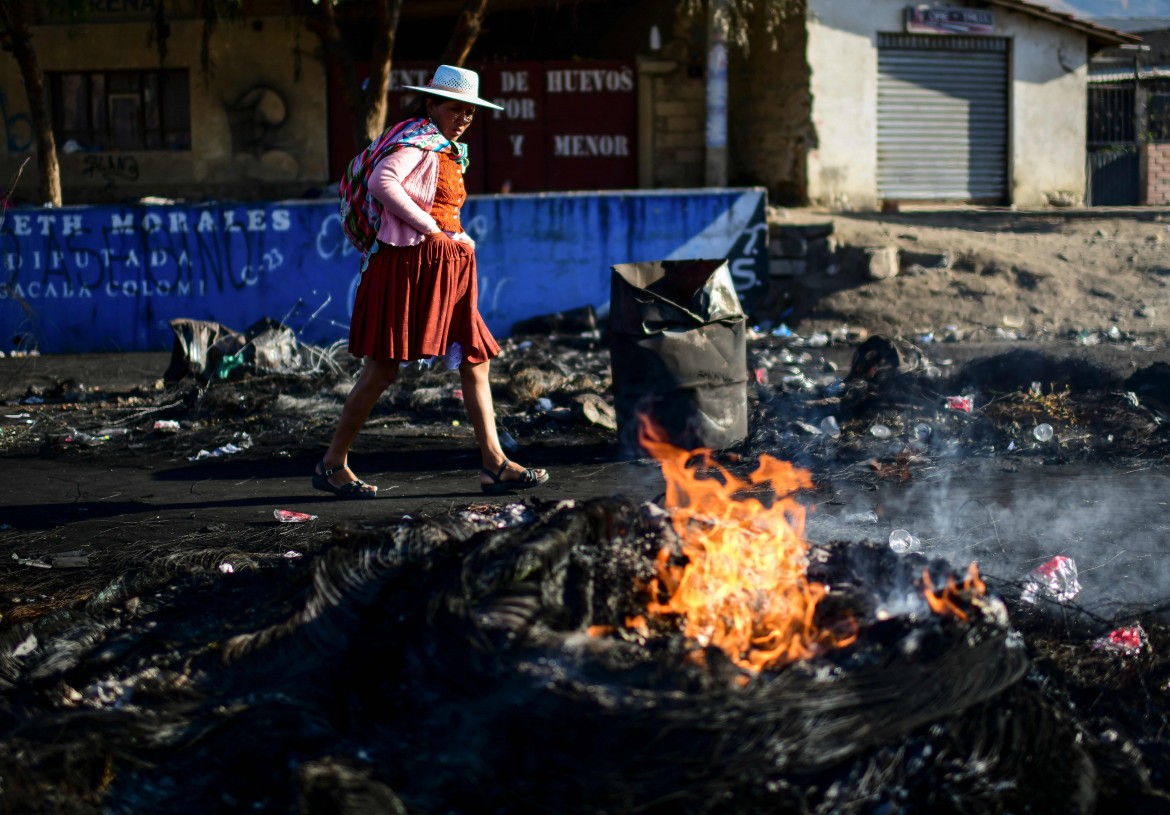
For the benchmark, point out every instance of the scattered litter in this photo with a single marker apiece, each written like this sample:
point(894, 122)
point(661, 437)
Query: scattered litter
point(227, 568)
point(288, 516)
point(26, 647)
point(922, 431)
point(1043, 432)
point(18, 415)
point(245, 441)
point(782, 331)
point(880, 431)
point(1056, 579)
point(291, 554)
point(32, 400)
point(1125, 641)
point(508, 442)
point(761, 376)
point(166, 426)
point(901, 541)
point(869, 517)
point(830, 427)
point(70, 560)
point(544, 404)
point(962, 403)
point(28, 561)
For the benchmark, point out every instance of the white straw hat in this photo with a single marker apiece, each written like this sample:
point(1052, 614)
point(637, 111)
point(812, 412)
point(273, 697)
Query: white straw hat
point(454, 83)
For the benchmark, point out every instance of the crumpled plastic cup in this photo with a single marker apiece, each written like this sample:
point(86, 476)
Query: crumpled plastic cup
point(901, 541)
point(288, 516)
point(1125, 641)
point(961, 403)
point(1056, 579)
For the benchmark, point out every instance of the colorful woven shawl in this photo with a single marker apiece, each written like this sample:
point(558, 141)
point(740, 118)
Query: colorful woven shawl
point(361, 213)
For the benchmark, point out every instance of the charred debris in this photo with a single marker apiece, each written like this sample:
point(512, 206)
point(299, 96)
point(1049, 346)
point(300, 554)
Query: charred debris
point(485, 660)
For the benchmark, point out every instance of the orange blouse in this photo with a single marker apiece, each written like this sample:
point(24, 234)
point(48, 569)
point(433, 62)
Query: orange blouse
point(449, 194)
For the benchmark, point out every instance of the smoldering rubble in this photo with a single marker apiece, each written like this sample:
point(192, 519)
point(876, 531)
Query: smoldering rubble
point(481, 660)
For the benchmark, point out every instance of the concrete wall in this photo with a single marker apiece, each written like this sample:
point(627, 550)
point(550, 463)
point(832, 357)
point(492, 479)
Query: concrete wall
point(255, 64)
point(1048, 98)
point(107, 278)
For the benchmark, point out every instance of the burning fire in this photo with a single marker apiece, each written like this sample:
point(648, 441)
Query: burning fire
point(947, 599)
point(743, 586)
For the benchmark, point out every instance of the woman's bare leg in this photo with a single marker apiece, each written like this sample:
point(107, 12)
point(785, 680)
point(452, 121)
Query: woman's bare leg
point(376, 376)
point(477, 398)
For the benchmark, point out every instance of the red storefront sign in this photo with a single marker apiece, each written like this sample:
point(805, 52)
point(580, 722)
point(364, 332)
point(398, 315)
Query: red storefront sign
point(565, 125)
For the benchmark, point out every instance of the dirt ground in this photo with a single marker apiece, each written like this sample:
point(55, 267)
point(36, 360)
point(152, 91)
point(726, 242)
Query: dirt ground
point(1047, 275)
point(1003, 407)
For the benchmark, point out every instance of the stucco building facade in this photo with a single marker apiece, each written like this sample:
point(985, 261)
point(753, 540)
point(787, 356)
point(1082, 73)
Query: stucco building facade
point(845, 104)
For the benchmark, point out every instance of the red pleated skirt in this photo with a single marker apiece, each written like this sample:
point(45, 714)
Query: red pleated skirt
point(414, 301)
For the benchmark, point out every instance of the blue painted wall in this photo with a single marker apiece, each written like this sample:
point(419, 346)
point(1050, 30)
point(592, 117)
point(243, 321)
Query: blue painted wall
point(80, 279)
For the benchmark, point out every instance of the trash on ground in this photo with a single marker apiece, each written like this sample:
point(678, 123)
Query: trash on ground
point(901, 541)
point(26, 647)
point(288, 516)
point(595, 410)
point(1126, 641)
point(1043, 432)
point(70, 560)
point(227, 568)
point(166, 426)
point(244, 442)
point(962, 403)
point(36, 563)
point(880, 431)
point(1056, 579)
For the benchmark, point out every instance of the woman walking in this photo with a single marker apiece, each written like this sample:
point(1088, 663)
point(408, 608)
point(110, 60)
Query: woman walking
point(417, 298)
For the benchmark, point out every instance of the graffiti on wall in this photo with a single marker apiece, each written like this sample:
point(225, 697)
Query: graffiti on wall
point(111, 167)
point(98, 278)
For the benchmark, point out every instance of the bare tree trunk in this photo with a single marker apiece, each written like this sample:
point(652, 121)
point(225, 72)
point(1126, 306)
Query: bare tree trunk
point(367, 109)
point(14, 14)
point(377, 104)
point(467, 29)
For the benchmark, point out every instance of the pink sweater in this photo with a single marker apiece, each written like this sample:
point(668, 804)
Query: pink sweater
point(404, 183)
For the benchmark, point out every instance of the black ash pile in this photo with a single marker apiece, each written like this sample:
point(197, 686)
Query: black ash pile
point(486, 662)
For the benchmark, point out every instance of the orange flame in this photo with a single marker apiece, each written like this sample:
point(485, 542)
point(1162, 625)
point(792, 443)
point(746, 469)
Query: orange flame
point(947, 600)
point(742, 586)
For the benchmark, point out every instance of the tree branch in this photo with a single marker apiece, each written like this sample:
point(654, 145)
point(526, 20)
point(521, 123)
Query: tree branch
point(468, 26)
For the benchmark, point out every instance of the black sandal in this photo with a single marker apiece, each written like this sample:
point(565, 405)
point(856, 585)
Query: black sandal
point(499, 486)
point(354, 489)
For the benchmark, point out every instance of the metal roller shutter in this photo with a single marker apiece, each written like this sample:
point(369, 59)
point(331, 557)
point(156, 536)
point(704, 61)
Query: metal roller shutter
point(942, 118)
